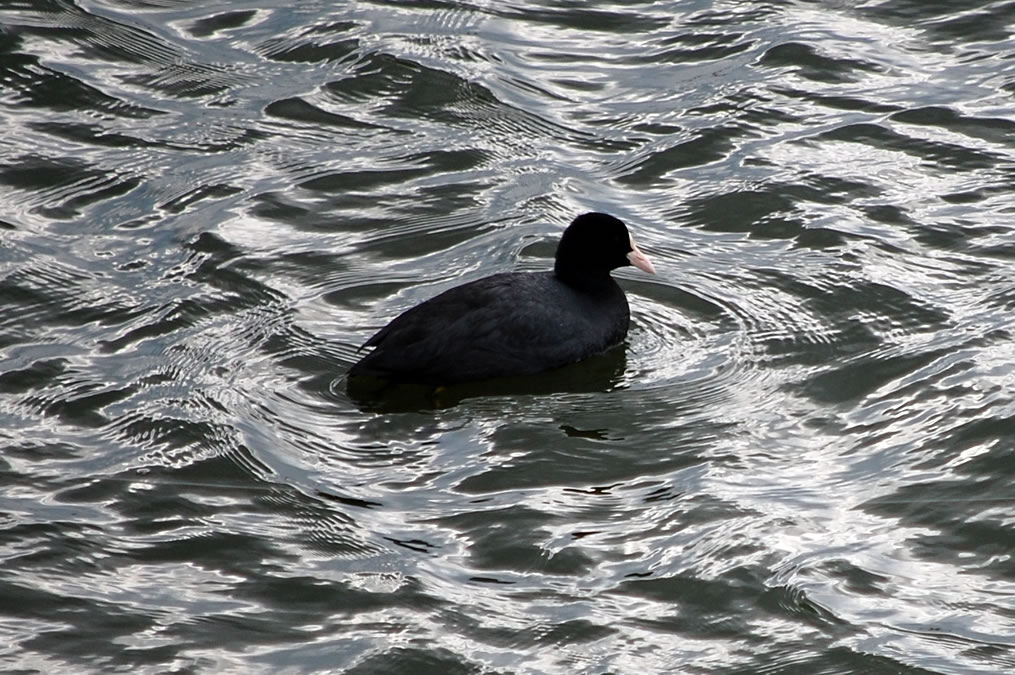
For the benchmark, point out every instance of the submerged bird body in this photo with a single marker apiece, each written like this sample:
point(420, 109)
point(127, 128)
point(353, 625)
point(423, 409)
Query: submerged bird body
point(517, 323)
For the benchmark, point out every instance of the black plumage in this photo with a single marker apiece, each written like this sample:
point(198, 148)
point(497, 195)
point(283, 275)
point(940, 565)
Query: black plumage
point(516, 323)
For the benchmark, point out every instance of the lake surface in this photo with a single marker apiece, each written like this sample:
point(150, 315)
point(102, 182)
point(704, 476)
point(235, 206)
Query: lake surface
point(801, 461)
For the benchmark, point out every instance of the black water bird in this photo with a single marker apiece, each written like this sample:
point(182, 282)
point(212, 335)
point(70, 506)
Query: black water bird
point(516, 323)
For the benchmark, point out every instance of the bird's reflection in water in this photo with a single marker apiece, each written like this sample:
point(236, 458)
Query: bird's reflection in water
point(602, 372)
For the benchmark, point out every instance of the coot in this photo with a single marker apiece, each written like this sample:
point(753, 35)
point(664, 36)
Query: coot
point(515, 323)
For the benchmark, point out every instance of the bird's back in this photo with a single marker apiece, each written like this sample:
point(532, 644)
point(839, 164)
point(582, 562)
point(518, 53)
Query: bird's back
point(506, 324)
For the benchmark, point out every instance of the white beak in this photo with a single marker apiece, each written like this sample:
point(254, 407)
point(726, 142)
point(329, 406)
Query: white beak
point(639, 259)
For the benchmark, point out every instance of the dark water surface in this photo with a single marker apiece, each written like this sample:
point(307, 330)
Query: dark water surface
point(804, 461)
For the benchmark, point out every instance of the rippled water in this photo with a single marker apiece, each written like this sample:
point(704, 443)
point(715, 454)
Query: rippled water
point(804, 461)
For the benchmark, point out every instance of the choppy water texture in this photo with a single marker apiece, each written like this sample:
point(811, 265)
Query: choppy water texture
point(803, 462)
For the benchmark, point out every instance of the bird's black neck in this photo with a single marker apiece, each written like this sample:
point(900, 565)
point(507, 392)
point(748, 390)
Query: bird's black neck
point(582, 280)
